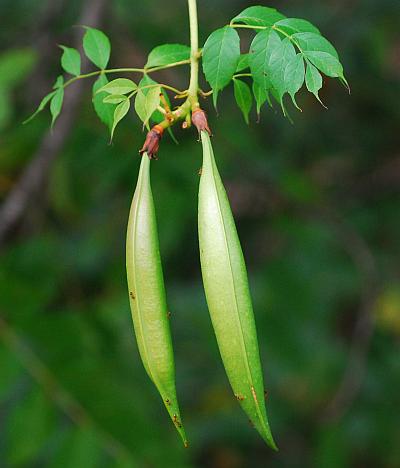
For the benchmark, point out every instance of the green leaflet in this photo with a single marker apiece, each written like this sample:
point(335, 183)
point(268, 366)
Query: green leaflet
point(166, 54)
point(71, 60)
point(243, 63)
point(293, 76)
point(115, 99)
point(313, 81)
point(295, 25)
point(140, 106)
point(147, 295)
point(146, 104)
point(104, 111)
point(261, 96)
point(56, 104)
point(227, 293)
point(265, 51)
point(118, 86)
point(274, 63)
point(42, 105)
point(97, 47)
point(258, 16)
point(244, 98)
point(120, 112)
point(221, 55)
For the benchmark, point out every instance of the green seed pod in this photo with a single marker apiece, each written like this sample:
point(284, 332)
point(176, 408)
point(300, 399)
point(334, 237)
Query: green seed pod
point(147, 295)
point(228, 296)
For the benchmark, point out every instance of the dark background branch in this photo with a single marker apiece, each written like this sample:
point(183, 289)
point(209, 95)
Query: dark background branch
point(34, 176)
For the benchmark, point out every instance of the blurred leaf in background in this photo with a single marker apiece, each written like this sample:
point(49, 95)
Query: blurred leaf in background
point(15, 66)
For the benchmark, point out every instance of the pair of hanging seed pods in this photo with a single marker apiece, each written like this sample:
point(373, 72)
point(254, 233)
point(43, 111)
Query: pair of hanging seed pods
point(226, 287)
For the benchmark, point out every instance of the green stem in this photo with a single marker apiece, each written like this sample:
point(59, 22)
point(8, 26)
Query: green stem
point(191, 102)
point(194, 55)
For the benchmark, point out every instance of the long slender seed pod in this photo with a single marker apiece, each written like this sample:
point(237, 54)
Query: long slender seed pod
point(228, 296)
point(147, 295)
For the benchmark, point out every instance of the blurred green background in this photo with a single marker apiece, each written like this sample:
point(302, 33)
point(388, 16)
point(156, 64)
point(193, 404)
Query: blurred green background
point(317, 209)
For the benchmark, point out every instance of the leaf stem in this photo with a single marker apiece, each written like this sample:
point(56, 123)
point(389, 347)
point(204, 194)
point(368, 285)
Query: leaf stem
point(205, 93)
point(246, 26)
point(156, 85)
point(288, 36)
point(171, 88)
point(128, 70)
point(80, 77)
point(239, 75)
point(170, 65)
point(250, 26)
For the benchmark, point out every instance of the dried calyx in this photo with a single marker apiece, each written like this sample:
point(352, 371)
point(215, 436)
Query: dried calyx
point(199, 120)
point(152, 142)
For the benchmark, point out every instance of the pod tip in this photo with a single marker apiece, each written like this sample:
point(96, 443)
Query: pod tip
point(274, 446)
point(270, 441)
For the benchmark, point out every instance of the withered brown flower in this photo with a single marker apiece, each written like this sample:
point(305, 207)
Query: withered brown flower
point(199, 120)
point(152, 142)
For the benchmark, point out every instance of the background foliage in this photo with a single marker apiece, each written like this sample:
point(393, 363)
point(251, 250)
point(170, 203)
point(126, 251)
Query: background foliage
point(317, 211)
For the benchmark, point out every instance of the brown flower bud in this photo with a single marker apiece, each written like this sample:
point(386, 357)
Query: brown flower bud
point(152, 142)
point(199, 120)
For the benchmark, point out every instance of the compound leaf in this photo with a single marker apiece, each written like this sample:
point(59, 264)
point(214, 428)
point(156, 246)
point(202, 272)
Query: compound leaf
point(321, 53)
